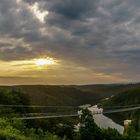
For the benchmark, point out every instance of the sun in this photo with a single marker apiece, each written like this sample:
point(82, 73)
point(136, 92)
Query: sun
point(44, 61)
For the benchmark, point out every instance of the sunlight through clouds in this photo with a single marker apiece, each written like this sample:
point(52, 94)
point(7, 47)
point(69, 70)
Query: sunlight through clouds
point(44, 61)
point(40, 15)
point(13, 67)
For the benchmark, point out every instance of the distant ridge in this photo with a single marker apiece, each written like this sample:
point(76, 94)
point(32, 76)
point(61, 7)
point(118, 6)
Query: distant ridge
point(70, 94)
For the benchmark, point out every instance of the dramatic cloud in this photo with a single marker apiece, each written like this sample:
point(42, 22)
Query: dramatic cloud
point(101, 36)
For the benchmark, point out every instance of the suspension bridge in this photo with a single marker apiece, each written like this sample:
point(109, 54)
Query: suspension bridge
point(94, 109)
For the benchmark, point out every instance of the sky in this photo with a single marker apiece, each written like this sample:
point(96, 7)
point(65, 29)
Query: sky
point(69, 41)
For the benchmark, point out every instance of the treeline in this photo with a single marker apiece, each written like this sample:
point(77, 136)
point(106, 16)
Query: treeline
point(13, 129)
point(17, 130)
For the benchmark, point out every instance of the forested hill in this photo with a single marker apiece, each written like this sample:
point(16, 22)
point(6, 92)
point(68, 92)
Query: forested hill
point(56, 95)
point(128, 97)
point(107, 90)
point(69, 95)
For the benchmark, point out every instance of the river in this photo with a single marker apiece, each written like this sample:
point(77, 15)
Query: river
point(104, 122)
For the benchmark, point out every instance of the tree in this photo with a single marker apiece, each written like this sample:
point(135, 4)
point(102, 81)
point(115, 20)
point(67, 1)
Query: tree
point(111, 134)
point(64, 130)
point(88, 129)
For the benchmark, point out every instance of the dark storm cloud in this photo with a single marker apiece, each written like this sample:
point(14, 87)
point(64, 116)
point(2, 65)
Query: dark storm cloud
point(74, 9)
point(102, 35)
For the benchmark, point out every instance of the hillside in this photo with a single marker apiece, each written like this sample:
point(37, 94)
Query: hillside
point(126, 98)
point(56, 95)
point(69, 95)
point(107, 90)
point(129, 97)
